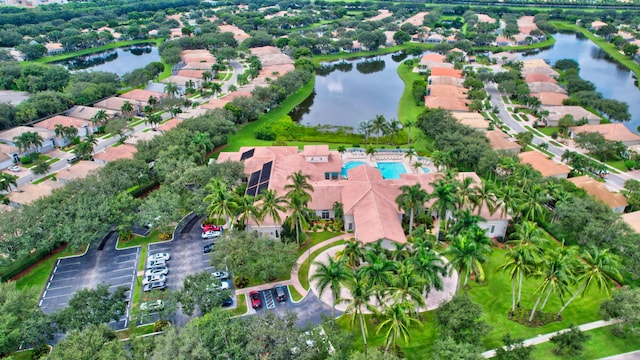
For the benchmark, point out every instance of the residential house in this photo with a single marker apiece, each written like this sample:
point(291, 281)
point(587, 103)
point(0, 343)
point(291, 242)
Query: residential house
point(140, 96)
point(445, 80)
point(115, 103)
point(503, 57)
point(578, 113)
point(597, 25)
point(9, 155)
point(84, 127)
point(79, 170)
point(447, 103)
point(544, 165)
point(48, 137)
point(88, 113)
point(550, 98)
point(616, 201)
point(500, 141)
point(28, 193)
point(434, 39)
point(612, 132)
point(447, 72)
point(538, 87)
point(113, 153)
point(633, 220)
point(473, 120)
point(503, 41)
point(536, 77)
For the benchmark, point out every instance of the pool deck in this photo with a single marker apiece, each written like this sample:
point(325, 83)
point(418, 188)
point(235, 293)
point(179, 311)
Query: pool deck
point(390, 156)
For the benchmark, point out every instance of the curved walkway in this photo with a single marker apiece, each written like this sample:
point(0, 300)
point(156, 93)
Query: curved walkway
point(546, 337)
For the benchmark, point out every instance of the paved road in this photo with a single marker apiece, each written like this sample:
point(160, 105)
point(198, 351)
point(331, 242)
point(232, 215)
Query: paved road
point(110, 266)
point(614, 181)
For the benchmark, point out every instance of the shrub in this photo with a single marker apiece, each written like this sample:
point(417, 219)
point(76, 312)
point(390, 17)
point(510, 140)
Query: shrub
point(241, 281)
point(26, 160)
point(629, 164)
point(554, 135)
point(279, 143)
point(265, 133)
point(160, 325)
point(570, 343)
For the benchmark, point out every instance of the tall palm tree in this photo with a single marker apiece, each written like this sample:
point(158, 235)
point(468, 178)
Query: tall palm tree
point(153, 120)
point(520, 263)
point(342, 149)
point(378, 125)
point(397, 319)
point(171, 89)
point(557, 272)
point(365, 127)
point(444, 192)
point(221, 200)
point(467, 257)
point(206, 76)
point(59, 130)
point(331, 275)
point(393, 128)
point(272, 205)
point(298, 217)
point(532, 205)
point(101, 117)
point(299, 187)
point(127, 109)
point(410, 154)
point(351, 254)
point(69, 132)
point(429, 266)
point(246, 210)
point(361, 292)
point(216, 88)
point(379, 270)
point(412, 199)
point(202, 141)
point(465, 191)
point(484, 195)
point(407, 286)
point(408, 124)
point(601, 268)
point(6, 180)
point(371, 151)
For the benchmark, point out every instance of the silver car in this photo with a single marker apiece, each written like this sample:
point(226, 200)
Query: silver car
point(156, 285)
point(152, 305)
point(159, 256)
point(157, 270)
point(156, 263)
point(154, 278)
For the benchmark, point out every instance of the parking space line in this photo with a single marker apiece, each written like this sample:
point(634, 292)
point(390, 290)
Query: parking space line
point(60, 287)
point(57, 272)
point(119, 285)
point(119, 277)
point(56, 296)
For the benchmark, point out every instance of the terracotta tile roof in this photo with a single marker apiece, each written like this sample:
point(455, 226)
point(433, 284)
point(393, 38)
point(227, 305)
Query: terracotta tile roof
point(381, 15)
point(472, 119)
point(28, 193)
point(115, 103)
point(88, 112)
point(180, 80)
point(447, 103)
point(534, 63)
point(316, 150)
point(215, 104)
point(273, 70)
point(198, 66)
point(447, 91)
point(79, 170)
point(416, 19)
point(540, 70)
point(633, 219)
point(124, 151)
point(598, 24)
point(543, 164)
point(238, 33)
point(142, 95)
point(138, 136)
point(599, 191)
point(500, 141)
point(447, 72)
point(613, 132)
point(265, 50)
point(578, 113)
point(197, 56)
point(169, 124)
point(445, 80)
point(536, 77)
point(62, 120)
point(236, 94)
point(485, 18)
point(434, 57)
point(193, 74)
point(550, 98)
point(8, 135)
point(435, 64)
point(537, 87)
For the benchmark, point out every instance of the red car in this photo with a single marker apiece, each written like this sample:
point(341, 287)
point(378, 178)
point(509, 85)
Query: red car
point(211, 228)
point(256, 303)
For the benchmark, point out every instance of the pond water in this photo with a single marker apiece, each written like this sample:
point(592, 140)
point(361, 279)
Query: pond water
point(350, 91)
point(611, 79)
point(120, 60)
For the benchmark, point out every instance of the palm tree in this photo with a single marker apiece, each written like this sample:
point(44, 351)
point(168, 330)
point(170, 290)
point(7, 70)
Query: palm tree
point(361, 292)
point(69, 132)
point(342, 149)
point(484, 195)
point(331, 275)
point(152, 101)
point(397, 321)
point(272, 205)
point(216, 88)
point(127, 109)
point(221, 200)
point(412, 199)
point(371, 151)
point(190, 84)
point(153, 120)
point(467, 257)
point(299, 187)
point(520, 263)
point(101, 117)
point(556, 271)
point(601, 268)
point(171, 89)
point(444, 193)
point(6, 180)
point(429, 266)
point(351, 254)
point(202, 141)
point(378, 125)
point(408, 124)
point(379, 271)
point(298, 217)
point(465, 191)
point(365, 127)
point(407, 286)
point(246, 210)
point(59, 130)
point(410, 153)
point(393, 128)
point(206, 76)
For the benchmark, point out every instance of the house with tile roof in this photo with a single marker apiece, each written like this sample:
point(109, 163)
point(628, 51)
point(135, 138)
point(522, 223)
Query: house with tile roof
point(550, 98)
point(48, 136)
point(500, 141)
point(616, 201)
point(84, 127)
point(545, 166)
point(113, 153)
point(28, 193)
point(611, 132)
point(9, 155)
point(79, 170)
point(633, 220)
point(577, 112)
point(88, 112)
point(473, 120)
point(447, 103)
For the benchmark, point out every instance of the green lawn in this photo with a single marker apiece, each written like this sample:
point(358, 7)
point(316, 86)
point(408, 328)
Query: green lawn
point(316, 238)
point(549, 130)
point(495, 298)
point(45, 178)
point(601, 344)
point(241, 309)
point(39, 275)
point(303, 272)
point(408, 108)
point(618, 164)
point(295, 295)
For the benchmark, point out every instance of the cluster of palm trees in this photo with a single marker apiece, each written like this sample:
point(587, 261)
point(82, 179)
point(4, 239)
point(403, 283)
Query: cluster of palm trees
point(392, 284)
point(84, 149)
point(65, 132)
point(555, 269)
point(235, 206)
point(28, 141)
point(381, 127)
point(6, 181)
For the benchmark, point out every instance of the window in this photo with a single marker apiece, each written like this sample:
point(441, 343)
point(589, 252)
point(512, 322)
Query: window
point(327, 176)
point(334, 176)
point(325, 214)
point(493, 228)
point(350, 226)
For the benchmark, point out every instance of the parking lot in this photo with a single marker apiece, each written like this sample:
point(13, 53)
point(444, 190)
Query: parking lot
point(102, 265)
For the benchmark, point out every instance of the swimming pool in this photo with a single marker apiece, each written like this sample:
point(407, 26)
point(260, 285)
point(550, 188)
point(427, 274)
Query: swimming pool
point(348, 166)
point(391, 170)
point(426, 170)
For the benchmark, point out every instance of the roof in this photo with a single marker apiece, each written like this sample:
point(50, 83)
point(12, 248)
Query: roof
point(141, 135)
point(543, 164)
point(142, 95)
point(8, 149)
point(197, 56)
point(381, 15)
point(88, 112)
point(8, 135)
point(445, 102)
point(115, 103)
point(198, 66)
point(28, 193)
point(613, 132)
point(446, 72)
point(179, 80)
point(485, 18)
point(445, 80)
point(62, 120)
point(170, 124)
point(537, 77)
point(435, 64)
point(236, 94)
point(316, 150)
point(112, 153)
point(633, 219)
point(78, 170)
point(546, 69)
point(599, 191)
point(416, 19)
point(193, 74)
point(472, 119)
point(214, 104)
point(447, 91)
point(238, 33)
point(550, 98)
point(598, 24)
point(500, 141)
point(557, 112)
point(538, 86)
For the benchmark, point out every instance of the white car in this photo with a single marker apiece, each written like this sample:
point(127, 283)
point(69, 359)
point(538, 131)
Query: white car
point(153, 278)
point(156, 285)
point(14, 168)
point(157, 270)
point(152, 305)
point(156, 263)
point(220, 275)
point(159, 256)
point(224, 285)
point(211, 234)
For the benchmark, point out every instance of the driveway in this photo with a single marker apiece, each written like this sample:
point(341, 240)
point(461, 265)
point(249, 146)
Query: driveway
point(99, 265)
point(309, 310)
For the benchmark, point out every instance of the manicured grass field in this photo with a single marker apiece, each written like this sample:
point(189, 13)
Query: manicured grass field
point(303, 272)
point(601, 344)
point(408, 109)
point(316, 238)
point(39, 275)
point(241, 309)
point(295, 295)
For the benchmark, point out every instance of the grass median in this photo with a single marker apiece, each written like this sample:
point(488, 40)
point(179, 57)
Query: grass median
point(241, 309)
point(303, 272)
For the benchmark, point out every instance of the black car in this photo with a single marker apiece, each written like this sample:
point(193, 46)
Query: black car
point(208, 248)
point(227, 302)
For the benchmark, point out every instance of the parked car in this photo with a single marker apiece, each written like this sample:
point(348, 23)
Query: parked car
point(152, 305)
point(224, 285)
point(208, 248)
point(159, 256)
point(220, 275)
point(73, 159)
point(153, 278)
point(156, 285)
point(14, 168)
point(157, 270)
point(156, 263)
point(227, 302)
point(206, 227)
point(211, 234)
point(281, 293)
point(256, 302)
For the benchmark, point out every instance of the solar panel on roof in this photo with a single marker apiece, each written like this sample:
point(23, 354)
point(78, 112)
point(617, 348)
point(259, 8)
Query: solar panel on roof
point(247, 154)
point(252, 191)
point(253, 180)
point(262, 186)
point(266, 172)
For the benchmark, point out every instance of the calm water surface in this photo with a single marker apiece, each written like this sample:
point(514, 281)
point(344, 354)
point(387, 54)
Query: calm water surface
point(120, 61)
point(611, 79)
point(350, 91)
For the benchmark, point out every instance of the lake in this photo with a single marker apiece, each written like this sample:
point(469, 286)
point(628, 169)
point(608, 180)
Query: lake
point(611, 79)
point(350, 91)
point(120, 60)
